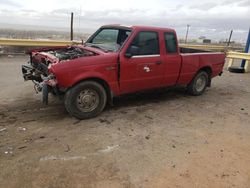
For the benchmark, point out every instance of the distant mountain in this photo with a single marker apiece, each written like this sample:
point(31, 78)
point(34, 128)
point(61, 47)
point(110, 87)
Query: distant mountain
point(36, 27)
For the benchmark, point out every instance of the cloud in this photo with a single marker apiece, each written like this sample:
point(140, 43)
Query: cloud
point(9, 3)
point(204, 6)
point(214, 19)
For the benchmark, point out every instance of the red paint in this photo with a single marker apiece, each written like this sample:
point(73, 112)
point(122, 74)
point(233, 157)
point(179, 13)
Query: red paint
point(174, 68)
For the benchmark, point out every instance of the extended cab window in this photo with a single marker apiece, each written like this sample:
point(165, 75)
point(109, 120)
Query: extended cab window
point(170, 42)
point(147, 43)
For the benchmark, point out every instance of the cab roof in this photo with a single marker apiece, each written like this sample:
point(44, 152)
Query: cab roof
point(137, 27)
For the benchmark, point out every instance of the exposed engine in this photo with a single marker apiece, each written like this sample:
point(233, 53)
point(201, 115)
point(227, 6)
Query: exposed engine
point(40, 60)
point(71, 52)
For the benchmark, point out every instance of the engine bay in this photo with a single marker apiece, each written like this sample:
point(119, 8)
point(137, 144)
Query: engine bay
point(69, 53)
point(37, 69)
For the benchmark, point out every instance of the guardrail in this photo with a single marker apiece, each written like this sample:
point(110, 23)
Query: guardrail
point(29, 42)
point(237, 55)
point(205, 47)
point(32, 42)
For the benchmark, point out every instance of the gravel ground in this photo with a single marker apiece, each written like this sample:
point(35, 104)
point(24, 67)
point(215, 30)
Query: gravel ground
point(156, 139)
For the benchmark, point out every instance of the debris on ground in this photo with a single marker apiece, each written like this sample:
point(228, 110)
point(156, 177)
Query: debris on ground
point(21, 129)
point(3, 129)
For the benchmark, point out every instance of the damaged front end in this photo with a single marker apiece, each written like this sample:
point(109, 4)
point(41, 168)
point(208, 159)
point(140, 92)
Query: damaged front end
point(44, 81)
point(38, 68)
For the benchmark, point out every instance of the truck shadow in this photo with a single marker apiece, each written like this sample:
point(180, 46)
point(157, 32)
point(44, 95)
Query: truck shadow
point(147, 97)
point(24, 110)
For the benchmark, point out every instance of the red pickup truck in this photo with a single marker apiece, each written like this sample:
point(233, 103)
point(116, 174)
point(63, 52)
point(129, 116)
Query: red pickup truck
point(118, 60)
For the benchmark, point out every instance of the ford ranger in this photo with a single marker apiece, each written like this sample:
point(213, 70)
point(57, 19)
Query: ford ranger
point(118, 60)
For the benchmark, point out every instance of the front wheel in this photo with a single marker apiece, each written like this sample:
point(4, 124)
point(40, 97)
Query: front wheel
point(85, 100)
point(198, 84)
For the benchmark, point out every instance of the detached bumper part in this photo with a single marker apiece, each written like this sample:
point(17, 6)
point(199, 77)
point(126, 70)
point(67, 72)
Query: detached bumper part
point(28, 73)
point(45, 93)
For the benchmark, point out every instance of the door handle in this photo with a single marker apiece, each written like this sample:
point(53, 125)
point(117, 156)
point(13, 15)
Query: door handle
point(158, 62)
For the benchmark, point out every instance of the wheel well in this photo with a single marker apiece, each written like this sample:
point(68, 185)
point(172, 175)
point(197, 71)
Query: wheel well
point(105, 86)
point(208, 70)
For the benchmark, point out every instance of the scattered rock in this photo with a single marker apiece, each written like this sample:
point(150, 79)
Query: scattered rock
point(8, 152)
point(27, 121)
point(22, 147)
point(185, 174)
point(67, 149)
point(149, 117)
point(76, 122)
point(206, 142)
point(21, 129)
point(109, 149)
point(104, 121)
point(3, 129)
point(224, 175)
point(123, 112)
point(147, 137)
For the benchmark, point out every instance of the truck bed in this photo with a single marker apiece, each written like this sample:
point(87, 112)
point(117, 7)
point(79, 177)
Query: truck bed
point(191, 62)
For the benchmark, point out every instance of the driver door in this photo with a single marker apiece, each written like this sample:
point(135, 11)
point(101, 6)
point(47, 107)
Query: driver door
point(141, 65)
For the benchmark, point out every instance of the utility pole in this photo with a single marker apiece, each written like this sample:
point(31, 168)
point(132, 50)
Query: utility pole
point(71, 26)
point(187, 33)
point(229, 39)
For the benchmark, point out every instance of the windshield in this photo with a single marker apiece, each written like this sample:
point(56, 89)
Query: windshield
point(108, 39)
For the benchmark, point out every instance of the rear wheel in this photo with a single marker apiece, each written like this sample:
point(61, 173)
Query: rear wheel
point(198, 84)
point(85, 100)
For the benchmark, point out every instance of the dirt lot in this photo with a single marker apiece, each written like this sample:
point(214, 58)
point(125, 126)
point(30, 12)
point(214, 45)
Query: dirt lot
point(158, 139)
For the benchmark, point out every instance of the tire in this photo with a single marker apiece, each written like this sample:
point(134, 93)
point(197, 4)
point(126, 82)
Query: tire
point(199, 83)
point(85, 100)
point(236, 69)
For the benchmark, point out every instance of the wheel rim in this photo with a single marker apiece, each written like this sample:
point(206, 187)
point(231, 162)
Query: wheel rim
point(200, 83)
point(87, 100)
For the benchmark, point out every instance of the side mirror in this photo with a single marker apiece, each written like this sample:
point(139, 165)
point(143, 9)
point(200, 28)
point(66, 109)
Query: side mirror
point(132, 50)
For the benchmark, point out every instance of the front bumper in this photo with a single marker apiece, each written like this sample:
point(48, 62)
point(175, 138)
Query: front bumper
point(44, 84)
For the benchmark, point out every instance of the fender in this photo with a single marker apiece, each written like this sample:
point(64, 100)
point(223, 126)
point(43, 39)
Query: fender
point(91, 75)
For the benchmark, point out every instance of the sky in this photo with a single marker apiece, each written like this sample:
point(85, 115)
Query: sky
point(210, 18)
